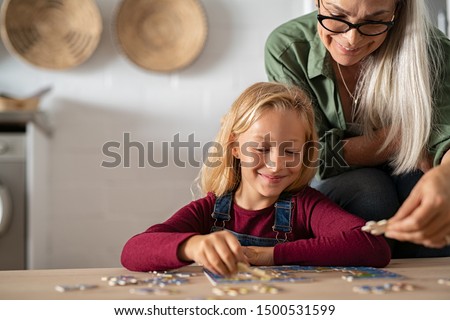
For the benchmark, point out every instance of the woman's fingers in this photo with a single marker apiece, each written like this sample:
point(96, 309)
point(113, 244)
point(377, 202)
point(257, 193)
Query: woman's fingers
point(425, 215)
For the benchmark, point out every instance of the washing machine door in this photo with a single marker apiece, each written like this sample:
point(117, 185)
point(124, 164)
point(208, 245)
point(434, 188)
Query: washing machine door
point(5, 209)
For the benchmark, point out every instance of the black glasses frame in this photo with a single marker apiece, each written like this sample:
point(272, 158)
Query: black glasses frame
point(357, 26)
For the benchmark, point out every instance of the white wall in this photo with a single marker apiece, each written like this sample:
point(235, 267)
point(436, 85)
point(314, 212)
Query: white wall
point(94, 210)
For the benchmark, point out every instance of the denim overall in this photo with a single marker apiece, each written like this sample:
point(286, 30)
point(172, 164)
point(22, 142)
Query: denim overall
point(282, 225)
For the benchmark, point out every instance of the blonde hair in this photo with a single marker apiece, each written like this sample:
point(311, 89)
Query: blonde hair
point(395, 86)
point(247, 109)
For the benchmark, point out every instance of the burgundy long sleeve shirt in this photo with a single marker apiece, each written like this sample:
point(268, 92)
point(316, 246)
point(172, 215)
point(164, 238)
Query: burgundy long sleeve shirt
point(322, 234)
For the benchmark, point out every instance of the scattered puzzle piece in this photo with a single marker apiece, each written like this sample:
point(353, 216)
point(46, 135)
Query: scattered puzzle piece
point(164, 281)
point(258, 273)
point(229, 291)
point(120, 280)
point(77, 287)
point(155, 291)
point(265, 288)
point(364, 273)
point(169, 274)
point(387, 287)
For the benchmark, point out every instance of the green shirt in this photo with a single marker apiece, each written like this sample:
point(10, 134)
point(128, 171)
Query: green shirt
point(295, 54)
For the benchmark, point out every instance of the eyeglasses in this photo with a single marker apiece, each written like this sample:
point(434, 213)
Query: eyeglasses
point(369, 28)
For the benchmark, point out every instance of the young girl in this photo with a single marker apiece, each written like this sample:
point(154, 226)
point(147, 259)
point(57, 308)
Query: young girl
point(259, 208)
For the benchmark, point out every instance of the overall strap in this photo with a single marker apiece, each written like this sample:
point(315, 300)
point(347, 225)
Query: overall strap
point(283, 213)
point(221, 211)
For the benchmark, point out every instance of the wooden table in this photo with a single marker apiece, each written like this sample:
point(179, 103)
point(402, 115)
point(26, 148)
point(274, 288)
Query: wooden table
point(40, 284)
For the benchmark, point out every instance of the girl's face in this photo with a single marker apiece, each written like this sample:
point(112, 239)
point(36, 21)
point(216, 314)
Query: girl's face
point(351, 47)
point(270, 153)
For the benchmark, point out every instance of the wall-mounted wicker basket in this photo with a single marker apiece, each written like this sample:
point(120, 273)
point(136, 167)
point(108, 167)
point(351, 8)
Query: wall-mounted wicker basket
point(161, 35)
point(31, 103)
point(53, 34)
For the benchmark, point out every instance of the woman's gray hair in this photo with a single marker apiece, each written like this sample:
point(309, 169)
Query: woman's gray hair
point(395, 87)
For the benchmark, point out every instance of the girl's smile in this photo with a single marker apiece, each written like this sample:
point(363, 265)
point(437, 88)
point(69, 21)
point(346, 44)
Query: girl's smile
point(272, 178)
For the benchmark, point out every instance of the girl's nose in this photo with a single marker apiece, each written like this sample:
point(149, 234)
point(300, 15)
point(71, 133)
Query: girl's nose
point(274, 160)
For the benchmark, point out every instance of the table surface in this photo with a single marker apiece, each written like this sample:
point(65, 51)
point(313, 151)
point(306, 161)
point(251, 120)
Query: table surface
point(40, 284)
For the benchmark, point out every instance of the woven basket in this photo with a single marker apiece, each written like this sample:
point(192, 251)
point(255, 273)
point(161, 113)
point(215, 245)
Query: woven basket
point(8, 103)
point(161, 35)
point(53, 34)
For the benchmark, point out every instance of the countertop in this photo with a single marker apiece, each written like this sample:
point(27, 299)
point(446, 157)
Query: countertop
point(21, 118)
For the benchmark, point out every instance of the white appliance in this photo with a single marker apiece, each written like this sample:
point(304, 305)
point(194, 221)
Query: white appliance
point(12, 200)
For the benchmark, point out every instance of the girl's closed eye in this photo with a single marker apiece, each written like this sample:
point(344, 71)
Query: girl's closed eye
point(262, 149)
point(292, 152)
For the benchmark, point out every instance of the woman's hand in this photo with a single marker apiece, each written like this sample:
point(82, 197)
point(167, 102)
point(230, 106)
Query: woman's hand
point(259, 256)
point(219, 252)
point(424, 217)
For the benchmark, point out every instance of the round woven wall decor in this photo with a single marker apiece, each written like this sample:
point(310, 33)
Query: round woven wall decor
point(53, 34)
point(161, 35)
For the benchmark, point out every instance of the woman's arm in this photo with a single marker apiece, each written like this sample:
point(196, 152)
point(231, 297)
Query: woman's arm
point(424, 217)
point(363, 151)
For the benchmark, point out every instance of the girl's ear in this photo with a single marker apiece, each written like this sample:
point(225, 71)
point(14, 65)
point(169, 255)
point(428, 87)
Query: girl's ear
point(235, 152)
point(234, 146)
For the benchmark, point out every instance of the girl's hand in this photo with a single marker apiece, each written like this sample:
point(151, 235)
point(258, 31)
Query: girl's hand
point(424, 217)
point(259, 256)
point(219, 252)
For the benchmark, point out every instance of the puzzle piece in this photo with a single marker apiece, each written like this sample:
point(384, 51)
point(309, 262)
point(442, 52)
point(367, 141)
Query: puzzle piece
point(369, 289)
point(164, 281)
point(265, 288)
point(387, 287)
point(155, 291)
point(120, 280)
point(77, 287)
point(256, 272)
point(167, 274)
point(230, 291)
point(375, 228)
point(235, 291)
point(359, 273)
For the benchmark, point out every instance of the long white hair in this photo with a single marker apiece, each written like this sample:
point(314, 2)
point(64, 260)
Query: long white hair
point(395, 86)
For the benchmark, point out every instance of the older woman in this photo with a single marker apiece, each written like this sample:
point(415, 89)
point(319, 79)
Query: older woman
point(379, 75)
